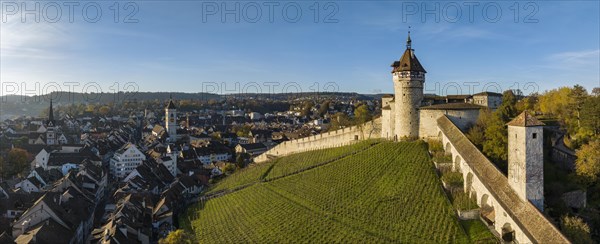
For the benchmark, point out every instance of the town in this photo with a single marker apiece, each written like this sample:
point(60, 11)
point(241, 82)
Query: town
point(129, 170)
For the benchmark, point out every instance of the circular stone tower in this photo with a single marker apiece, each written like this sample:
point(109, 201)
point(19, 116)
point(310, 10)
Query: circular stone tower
point(409, 78)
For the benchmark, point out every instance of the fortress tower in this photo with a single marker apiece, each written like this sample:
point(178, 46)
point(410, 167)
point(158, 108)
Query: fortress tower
point(526, 158)
point(409, 78)
point(171, 120)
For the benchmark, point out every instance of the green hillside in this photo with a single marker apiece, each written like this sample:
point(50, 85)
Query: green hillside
point(385, 192)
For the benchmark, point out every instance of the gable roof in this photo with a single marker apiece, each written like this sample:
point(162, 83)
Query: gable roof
point(525, 120)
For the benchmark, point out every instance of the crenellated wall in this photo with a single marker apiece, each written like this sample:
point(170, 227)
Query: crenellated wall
point(345, 136)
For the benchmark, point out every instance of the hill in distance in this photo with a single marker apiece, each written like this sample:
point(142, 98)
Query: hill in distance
point(368, 192)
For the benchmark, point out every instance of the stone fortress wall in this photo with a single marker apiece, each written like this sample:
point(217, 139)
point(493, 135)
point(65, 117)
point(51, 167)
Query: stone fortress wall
point(493, 193)
point(337, 138)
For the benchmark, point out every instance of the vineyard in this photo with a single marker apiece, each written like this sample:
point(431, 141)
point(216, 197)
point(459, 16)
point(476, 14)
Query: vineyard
point(369, 192)
point(288, 165)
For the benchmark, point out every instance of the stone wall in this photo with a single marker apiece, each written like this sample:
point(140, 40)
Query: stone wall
point(428, 122)
point(490, 187)
point(346, 136)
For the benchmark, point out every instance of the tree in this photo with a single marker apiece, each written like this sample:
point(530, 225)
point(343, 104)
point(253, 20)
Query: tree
point(575, 229)
point(241, 159)
point(104, 110)
point(507, 108)
point(590, 115)
point(587, 165)
point(306, 107)
point(339, 120)
point(324, 108)
point(477, 133)
point(16, 162)
point(527, 103)
point(596, 91)
point(496, 140)
point(578, 96)
point(362, 114)
point(178, 237)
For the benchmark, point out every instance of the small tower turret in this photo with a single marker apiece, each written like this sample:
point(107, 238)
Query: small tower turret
point(526, 158)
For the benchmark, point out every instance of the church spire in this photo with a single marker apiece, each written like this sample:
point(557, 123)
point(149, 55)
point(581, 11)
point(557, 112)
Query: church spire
point(408, 41)
point(50, 113)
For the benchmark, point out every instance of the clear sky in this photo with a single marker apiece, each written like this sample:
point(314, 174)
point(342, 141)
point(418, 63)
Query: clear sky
point(187, 46)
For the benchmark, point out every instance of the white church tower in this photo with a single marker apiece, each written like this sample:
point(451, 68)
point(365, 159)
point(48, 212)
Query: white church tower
point(171, 120)
point(50, 133)
point(409, 78)
point(526, 158)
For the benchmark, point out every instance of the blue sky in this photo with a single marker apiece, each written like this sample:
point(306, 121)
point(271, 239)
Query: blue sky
point(176, 46)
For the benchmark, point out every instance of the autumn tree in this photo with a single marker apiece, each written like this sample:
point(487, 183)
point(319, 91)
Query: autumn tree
point(576, 230)
point(362, 114)
point(587, 165)
point(178, 237)
point(104, 110)
point(528, 103)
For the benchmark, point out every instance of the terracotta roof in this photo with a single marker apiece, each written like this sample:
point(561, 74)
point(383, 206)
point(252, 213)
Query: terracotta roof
point(452, 106)
point(525, 120)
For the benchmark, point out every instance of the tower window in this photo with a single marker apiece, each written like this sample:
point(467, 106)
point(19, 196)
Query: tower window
point(534, 135)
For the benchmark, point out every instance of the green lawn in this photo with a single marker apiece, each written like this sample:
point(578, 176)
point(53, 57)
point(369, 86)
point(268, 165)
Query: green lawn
point(385, 193)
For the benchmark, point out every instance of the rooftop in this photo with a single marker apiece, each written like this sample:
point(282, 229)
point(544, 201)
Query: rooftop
point(525, 120)
point(452, 106)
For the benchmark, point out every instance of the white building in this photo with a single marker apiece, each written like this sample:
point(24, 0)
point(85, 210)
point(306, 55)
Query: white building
point(171, 120)
point(126, 160)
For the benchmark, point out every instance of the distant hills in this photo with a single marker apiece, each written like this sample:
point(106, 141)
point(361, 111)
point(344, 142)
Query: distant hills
point(14, 105)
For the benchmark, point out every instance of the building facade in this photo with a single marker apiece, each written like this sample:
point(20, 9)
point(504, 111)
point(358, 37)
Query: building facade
point(126, 160)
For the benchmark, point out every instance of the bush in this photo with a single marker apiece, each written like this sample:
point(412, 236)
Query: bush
point(575, 229)
point(435, 146)
point(462, 201)
point(453, 179)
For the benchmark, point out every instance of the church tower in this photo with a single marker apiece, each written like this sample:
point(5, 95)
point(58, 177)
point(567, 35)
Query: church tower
point(171, 120)
point(409, 78)
point(50, 133)
point(526, 158)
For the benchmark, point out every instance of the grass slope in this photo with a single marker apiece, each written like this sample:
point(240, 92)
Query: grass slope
point(386, 192)
point(287, 165)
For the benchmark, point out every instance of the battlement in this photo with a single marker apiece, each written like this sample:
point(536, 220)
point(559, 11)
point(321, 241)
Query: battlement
point(337, 138)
